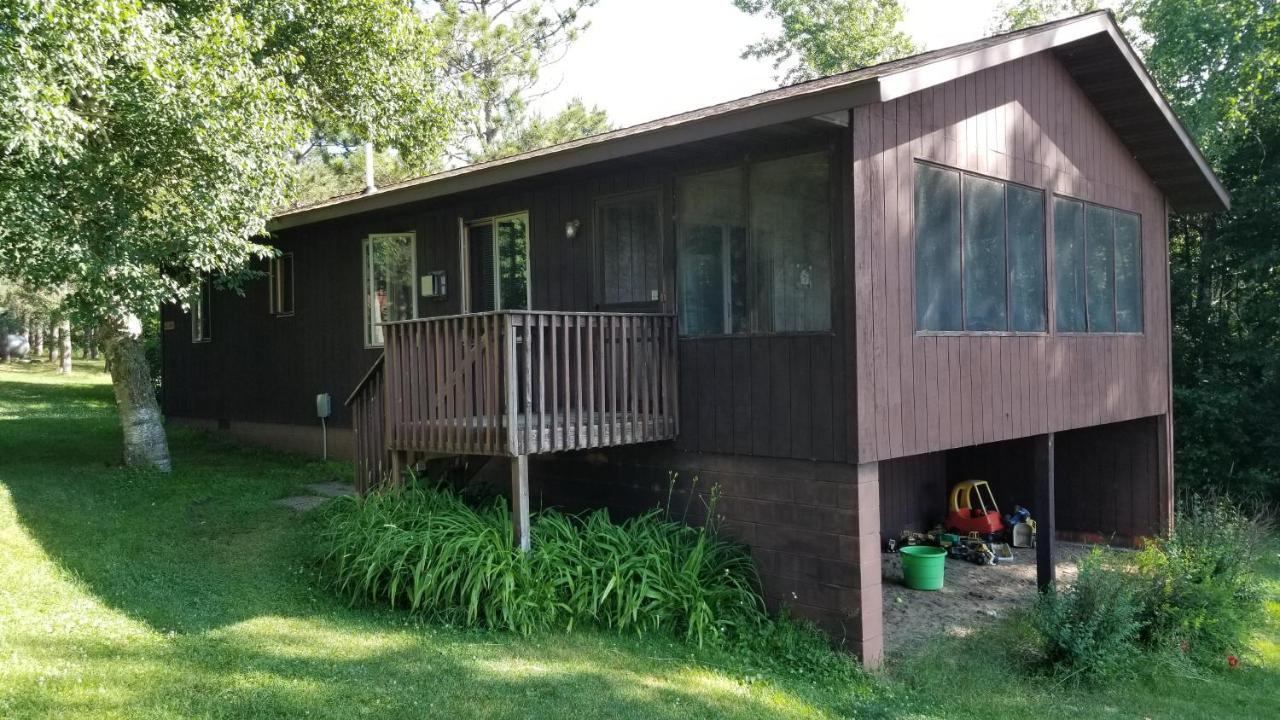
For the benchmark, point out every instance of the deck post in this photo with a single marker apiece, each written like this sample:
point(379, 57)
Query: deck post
point(520, 499)
point(1044, 512)
point(869, 642)
point(1164, 473)
point(397, 468)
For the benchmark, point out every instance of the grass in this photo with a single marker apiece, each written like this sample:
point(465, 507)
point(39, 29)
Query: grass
point(127, 594)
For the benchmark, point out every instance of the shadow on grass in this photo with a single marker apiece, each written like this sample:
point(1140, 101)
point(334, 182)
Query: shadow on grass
point(232, 622)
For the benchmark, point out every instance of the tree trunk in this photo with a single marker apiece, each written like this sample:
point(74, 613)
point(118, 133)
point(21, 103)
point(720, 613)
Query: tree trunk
point(37, 341)
point(144, 440)
point(64, 347)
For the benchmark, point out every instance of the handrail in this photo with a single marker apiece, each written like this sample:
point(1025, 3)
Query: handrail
point(377, 365)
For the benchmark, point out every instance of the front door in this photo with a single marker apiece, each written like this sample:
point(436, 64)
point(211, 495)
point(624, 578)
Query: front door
point(497, 272)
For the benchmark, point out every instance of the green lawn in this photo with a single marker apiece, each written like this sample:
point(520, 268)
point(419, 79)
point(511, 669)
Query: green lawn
point(133, 595)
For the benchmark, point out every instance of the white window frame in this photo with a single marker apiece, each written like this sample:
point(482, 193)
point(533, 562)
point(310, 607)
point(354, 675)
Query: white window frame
point(199, 309)
point(366, 267)
point(497, 278)
point(276, 299)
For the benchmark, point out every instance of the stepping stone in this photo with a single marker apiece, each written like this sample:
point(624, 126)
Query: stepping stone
point(333, 488)
point(302, 503)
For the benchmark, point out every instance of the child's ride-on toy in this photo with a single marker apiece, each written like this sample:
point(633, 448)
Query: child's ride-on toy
point(965, 518)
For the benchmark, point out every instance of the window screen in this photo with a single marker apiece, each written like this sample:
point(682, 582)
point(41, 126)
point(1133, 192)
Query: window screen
point(389, 270)
point(985, 300)
point(629, 246)
point(1026, 259)
point(711, 241)
point(764, 270)
point(789, 250)
point(1128, 272)
point(513, 261)
point(1068, 264)
point(1098, 268)
point(980, 255)
point(1100, 299)
point(937, 201)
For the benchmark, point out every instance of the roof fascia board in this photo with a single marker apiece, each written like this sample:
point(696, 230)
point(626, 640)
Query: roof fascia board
point(897, 84)
point(819, 102)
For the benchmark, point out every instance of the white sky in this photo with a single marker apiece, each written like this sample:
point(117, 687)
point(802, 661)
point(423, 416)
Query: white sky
point(645, 59)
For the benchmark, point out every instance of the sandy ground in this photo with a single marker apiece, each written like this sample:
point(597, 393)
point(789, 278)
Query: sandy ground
point(972, 596)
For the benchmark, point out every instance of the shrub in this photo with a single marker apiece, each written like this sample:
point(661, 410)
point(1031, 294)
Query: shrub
point(1090, 631)
point(1203, 589)
point(1197, 591)
point(424, 549)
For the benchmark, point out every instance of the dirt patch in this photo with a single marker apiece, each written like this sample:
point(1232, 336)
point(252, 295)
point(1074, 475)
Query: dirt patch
point(972, 596)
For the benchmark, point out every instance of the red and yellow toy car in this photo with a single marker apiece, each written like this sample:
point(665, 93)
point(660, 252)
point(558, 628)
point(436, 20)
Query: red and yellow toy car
point(964, 517)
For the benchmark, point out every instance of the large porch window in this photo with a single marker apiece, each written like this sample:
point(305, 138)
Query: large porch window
point(390, 265)
point(754, 248)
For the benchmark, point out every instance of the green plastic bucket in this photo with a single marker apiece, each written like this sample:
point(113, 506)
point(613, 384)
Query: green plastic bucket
point(922, 566)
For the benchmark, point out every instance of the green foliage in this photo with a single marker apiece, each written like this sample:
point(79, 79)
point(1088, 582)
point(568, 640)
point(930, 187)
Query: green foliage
point(575, 121)
point(1205, 594)
point(1017, 14)
point(823, 37)
point(422, 548)
point(496, 52)
point(1196, 595)
point(1090, 631)
point(146, 143)
point(1219, 65)
point(129, 594)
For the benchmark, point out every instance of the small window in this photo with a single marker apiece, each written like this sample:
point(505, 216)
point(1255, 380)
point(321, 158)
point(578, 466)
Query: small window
point(1098, 268)
point(200, 324)
point(629, 247)
point(390, 265)
point(280, 270)
point(753, 248)
point(980, 253)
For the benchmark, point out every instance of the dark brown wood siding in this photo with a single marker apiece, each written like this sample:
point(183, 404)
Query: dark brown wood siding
point(1025, 122)
point(786, 396)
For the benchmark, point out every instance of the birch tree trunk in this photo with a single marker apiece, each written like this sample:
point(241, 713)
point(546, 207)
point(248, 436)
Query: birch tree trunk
point(144, 439)
point(64, 347)
point(37, 340)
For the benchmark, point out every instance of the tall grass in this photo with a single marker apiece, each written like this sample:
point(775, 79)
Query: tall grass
point(424, 549)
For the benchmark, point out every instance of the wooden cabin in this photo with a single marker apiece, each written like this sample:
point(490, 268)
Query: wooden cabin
point(830, 301)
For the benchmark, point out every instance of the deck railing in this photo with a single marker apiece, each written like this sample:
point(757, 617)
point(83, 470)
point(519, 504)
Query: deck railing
point(368, 421)
point(526, 382)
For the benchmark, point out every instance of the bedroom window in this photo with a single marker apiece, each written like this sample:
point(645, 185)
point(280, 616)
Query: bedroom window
point(390, 265)
point(754, 248)
point(280, 281)
point(201, 327)
point(980, 253)
point(1098, 268)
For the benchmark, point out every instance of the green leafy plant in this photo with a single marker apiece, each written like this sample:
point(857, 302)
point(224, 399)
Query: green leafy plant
point(1090, 631)
point(425, 549)
point(1204, 592)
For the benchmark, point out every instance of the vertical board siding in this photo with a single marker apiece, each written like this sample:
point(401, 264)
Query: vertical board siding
point(1025, 122)
point(765, 395)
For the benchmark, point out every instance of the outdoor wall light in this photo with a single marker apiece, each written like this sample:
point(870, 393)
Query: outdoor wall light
point(571, 229)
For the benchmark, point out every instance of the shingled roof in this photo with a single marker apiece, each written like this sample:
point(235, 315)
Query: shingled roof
point(1090, 47)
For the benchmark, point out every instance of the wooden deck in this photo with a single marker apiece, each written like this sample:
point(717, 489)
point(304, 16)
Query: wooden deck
point(563, 381)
